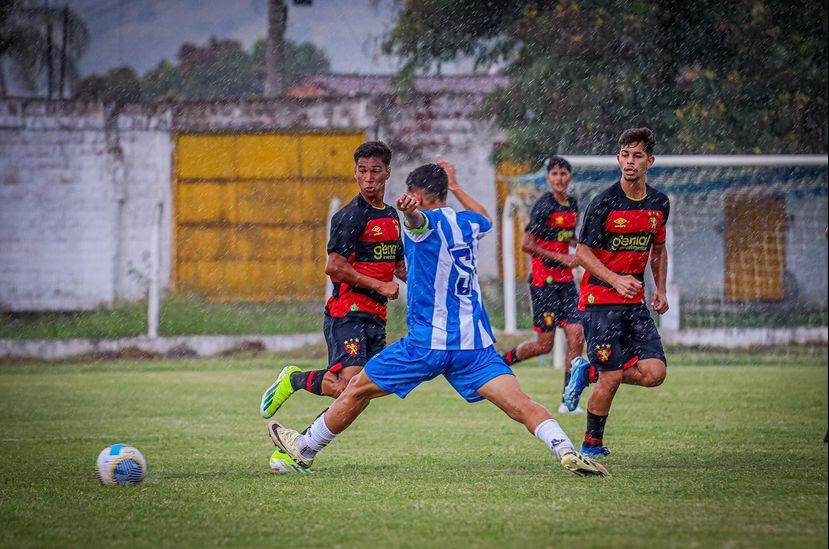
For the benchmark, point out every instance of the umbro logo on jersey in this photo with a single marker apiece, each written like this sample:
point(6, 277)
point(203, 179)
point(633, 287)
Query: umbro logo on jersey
point(620, 222)
point(376, 230)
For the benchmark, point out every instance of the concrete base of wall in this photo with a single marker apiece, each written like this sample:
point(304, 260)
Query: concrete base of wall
point(744, 338)
point(210, 345)
point(144, 347)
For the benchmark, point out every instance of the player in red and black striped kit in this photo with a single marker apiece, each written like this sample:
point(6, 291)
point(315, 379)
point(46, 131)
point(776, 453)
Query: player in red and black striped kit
point(623, 229)
point(553, 293)
point(365, 253)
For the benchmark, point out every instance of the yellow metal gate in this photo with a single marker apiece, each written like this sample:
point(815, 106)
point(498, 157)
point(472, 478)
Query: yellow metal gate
point(251, 212)
point(755, 250)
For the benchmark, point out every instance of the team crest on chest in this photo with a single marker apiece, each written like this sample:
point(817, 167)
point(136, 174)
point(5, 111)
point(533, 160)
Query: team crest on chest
point(352, 346)
point(603, 352)
point(653, 220)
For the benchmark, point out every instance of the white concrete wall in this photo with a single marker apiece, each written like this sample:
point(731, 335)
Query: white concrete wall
point(79, 183)
point(60, 184)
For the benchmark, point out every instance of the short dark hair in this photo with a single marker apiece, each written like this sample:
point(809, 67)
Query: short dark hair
point(429, 178)
point(644, 136)
point(371, 149)
point(558, 162)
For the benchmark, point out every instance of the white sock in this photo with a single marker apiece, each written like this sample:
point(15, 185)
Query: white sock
point(316, 437)
point(551, 434)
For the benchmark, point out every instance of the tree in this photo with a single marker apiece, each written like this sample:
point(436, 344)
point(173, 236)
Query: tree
point(31, 41)
point(121, 85)
point(223, 69)
point(738, 77)
point(300, 59)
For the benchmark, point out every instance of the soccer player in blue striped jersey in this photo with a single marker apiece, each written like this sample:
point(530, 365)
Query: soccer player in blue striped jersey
point(449, 331)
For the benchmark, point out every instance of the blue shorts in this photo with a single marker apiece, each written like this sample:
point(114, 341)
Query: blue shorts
point(617, 336)
point(401, 367)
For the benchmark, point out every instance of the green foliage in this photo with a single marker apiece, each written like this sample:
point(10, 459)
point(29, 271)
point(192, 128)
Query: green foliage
point(706, 460)
point(24, 33)
point(220, 69)
point(738, 77)
point(119, 85)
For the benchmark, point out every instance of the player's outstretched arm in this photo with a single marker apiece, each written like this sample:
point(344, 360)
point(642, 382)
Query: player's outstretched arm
point(339, 268)
point(463, 197)
point(626, 285)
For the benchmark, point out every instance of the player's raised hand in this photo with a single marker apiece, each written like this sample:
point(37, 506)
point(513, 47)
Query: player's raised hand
point(449, 168)
point(407, 203)
point(659, 303)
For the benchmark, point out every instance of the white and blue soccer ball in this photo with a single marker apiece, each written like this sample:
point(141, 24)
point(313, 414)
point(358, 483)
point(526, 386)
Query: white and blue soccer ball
point(121, 464)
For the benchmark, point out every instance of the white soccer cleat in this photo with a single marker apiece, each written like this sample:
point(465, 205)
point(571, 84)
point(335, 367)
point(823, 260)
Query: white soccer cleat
point(287, 440)
point(581, 465)
point(562, 409)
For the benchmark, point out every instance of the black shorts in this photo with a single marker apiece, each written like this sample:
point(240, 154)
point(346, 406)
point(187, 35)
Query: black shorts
point(619, 336)
point(555, 305)
point(353, 339)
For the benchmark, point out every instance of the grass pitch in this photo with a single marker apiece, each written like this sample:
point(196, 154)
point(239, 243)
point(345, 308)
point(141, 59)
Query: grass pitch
point(728, 453)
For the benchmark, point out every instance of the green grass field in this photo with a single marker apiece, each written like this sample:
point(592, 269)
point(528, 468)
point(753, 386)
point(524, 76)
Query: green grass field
point(728, 453)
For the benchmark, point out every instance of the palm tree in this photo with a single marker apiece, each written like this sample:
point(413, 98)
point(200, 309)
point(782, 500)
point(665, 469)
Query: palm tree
point(31, 41)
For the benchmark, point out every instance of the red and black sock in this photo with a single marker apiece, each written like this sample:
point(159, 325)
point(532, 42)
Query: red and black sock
point(595, 429)
point(511, 356)
point(592, 374)
point(311, 381)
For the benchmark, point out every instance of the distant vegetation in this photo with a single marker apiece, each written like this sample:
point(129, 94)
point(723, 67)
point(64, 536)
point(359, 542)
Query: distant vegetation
point(728, 77)
point(219, 69)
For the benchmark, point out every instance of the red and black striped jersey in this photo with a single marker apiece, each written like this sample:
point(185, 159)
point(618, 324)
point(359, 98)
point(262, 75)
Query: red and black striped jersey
point(553, 226)
point(621, 231)
point(369, 238)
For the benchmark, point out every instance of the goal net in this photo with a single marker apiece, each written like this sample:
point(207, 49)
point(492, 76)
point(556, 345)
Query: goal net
point(746, 243)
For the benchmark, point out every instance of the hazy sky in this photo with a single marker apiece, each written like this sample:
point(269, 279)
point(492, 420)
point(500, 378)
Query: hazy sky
point(143, 32)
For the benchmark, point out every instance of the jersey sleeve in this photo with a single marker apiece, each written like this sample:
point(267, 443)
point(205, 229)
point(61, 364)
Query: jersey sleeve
point(400, 255)
point(345, 228)
point(538, 218)
point(660, 232)
point(483, 222)
point(419, 234)
point(592, 226)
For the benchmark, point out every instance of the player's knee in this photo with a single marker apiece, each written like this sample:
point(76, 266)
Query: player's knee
point(658, 378)
point(654, 377)
point(545, 347)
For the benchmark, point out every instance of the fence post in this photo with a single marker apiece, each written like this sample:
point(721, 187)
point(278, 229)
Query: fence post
point(508, 258)
point(154, 295)
point(333, 208)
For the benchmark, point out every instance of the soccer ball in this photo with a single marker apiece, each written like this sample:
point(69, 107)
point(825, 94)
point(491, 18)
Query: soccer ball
point(120, 464)
point(281, 462)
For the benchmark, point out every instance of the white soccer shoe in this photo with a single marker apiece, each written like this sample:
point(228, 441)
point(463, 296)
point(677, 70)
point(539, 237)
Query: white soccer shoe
point(581, 465)
point(562, 409)
point(287, 440)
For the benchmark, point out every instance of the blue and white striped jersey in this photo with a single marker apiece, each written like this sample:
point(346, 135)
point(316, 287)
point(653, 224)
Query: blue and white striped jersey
point(446, 311)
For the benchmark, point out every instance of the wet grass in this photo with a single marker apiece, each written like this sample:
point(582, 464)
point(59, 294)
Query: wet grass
point(727, 453)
